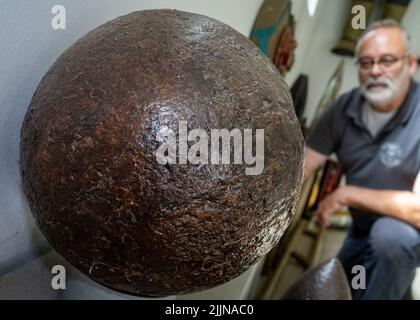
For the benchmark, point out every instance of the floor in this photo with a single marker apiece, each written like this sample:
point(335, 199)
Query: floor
point(334, 238)
point(332, 244)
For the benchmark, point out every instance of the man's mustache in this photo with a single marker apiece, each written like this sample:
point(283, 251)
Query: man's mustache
point(381, 81)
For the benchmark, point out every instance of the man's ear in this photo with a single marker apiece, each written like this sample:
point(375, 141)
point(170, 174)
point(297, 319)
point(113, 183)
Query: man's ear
point(413, 63)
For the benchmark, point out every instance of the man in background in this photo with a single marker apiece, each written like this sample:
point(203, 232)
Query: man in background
point(375, 132)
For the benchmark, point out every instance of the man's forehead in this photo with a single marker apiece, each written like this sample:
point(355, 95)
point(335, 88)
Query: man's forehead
point(383, 41)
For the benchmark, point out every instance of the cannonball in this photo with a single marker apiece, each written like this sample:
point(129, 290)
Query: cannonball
point(89, 144)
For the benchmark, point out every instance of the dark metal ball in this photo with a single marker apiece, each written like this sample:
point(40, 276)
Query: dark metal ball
point(88, 154)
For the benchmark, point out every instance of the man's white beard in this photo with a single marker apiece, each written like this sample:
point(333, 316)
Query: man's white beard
point(381, 97)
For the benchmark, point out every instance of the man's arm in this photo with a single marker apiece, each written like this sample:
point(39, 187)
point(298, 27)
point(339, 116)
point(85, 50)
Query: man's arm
point(404, 205)
point(314, 160)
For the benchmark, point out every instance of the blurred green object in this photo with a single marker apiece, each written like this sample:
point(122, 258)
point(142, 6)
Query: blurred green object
point(348, 41)
point(391, 9)
point(395, 9)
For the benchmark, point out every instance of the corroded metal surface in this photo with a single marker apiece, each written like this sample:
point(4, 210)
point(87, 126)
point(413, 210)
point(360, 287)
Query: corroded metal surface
point(88, 154)
point(326, 281)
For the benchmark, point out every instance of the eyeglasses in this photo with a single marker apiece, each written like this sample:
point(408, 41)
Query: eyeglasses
point(385, 62)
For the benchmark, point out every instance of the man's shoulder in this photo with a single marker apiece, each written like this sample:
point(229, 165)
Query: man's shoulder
point(416, 89)
point(347, 103)
point(349, 97)
point(414, 102)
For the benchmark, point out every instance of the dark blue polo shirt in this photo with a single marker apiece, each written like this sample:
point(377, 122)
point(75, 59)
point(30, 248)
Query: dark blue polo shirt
point(391, 160)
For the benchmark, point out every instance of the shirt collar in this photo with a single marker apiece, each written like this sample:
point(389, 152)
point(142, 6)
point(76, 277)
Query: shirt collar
point(354, 111)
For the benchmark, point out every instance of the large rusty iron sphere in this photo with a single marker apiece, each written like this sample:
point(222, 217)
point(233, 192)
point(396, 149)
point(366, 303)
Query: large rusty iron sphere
point(88, 154)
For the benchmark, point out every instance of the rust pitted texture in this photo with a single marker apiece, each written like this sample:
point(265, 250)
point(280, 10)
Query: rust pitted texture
point(326, 281)
point(88, 159)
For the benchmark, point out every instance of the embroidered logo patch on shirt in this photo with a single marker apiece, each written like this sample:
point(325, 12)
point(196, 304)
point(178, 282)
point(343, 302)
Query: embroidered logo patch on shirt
point(390, 154)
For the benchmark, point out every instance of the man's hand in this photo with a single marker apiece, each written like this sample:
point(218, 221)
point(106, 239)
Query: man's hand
point(403, 205)
point(331, 204)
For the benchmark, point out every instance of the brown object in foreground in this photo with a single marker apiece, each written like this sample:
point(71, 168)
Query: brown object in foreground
point(90, 171)
point(327, 281)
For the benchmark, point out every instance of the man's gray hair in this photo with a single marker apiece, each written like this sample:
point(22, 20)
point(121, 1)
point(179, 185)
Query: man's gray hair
point(386, 23)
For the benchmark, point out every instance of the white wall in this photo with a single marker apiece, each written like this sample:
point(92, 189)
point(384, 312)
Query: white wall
point(29, 45)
